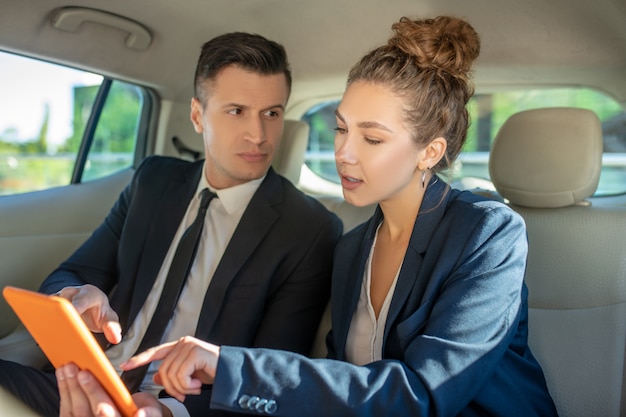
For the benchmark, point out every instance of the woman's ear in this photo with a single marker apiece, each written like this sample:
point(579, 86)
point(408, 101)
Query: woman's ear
point(433, 152)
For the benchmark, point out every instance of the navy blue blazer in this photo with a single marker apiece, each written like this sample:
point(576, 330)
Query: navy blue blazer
point(455, 341)
point(271, 285)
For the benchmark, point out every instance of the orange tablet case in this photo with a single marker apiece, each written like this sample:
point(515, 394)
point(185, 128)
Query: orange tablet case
point(64, 337)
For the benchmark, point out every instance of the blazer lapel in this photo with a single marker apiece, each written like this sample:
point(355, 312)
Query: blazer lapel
point(255, 223)
point(172, 206)
point(430, 214)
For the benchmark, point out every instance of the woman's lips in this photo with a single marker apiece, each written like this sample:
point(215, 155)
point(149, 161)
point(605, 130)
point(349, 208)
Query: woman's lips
point(349, 183)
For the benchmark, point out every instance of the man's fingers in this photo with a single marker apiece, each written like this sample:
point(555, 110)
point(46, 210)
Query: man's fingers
point(68, 292)
point(87, 296)
point(149, 406)
point(99, 401)
point(111, 325)
point(113, 332)
point(73, 399)
point(65, 406)
point(93, 306)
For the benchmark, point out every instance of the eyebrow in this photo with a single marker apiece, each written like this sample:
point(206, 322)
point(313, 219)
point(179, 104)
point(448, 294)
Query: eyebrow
point(243, 106)
point(366, 124)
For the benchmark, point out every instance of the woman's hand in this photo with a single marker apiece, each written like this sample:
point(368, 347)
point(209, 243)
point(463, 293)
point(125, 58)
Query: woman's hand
point(186, 365)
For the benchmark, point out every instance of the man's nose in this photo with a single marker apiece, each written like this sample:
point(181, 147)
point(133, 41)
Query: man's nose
point(255, 130)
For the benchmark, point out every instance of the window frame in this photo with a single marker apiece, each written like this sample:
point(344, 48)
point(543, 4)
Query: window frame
point(145, 129)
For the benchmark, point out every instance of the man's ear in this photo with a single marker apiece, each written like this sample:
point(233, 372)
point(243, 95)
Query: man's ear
point(196, 115)
point(433, 152)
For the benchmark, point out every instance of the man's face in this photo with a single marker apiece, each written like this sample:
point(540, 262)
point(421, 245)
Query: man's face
point(241, 124)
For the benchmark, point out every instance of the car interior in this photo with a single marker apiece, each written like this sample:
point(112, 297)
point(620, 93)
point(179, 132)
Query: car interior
point(89, 89)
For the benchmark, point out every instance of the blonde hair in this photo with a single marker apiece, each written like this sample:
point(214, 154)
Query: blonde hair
point(428, 64)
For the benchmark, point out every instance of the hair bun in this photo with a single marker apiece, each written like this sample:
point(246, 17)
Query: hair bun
point(442, 44)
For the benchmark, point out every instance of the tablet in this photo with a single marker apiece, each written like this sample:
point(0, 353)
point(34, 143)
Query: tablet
point(64, 337)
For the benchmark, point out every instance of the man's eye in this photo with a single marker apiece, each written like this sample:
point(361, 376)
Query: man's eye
point(272, 113)
point(235, 111)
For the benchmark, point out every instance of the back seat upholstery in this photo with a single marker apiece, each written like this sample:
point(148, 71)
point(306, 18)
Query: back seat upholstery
point(546, 163)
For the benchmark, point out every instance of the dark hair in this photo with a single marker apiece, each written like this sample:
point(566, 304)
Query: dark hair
point(245, 50)
point(428, 64)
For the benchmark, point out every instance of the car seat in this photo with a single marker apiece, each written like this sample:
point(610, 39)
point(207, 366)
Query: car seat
point(546, 164)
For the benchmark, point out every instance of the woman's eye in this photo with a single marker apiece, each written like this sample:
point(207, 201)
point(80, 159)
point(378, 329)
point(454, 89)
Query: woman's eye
point(372, 141)
point(340, 130)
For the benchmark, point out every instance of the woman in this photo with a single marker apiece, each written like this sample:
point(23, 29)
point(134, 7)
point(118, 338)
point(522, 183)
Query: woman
point(428, 300)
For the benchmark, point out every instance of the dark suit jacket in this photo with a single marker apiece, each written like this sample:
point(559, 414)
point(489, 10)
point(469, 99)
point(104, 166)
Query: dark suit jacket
point(455, 340)
point(271, 285)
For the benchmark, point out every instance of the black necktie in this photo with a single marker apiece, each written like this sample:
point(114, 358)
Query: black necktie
point(179, 269)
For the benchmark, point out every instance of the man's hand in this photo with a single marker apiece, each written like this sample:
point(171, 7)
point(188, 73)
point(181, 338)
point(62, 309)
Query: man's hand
point(82, 396)
point(93, 306)
point(187, 364)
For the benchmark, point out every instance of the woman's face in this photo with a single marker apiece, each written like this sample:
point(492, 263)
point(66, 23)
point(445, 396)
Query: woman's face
point(377, 160)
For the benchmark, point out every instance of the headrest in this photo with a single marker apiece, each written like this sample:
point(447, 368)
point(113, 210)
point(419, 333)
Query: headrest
point(289, 157)
point(547, 157)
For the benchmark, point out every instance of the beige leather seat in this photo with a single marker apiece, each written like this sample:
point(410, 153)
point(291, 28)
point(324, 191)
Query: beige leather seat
point(546, 163)
point(289, 158)
point(11, 407)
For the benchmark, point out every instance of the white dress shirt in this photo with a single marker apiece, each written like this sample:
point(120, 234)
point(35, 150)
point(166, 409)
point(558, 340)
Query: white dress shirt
point(222, 218)
point(364, 343)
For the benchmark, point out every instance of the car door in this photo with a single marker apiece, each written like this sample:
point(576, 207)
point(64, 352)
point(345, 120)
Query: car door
point(57, 183)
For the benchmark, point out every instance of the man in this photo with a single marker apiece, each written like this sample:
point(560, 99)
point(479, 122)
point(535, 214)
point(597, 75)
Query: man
point(261, 276)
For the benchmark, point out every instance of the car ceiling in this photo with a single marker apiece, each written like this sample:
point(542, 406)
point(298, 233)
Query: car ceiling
point(524, 43)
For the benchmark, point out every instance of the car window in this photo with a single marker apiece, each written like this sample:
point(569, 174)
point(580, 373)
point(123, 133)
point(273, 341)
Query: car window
point(60, 125)
point(488, 112)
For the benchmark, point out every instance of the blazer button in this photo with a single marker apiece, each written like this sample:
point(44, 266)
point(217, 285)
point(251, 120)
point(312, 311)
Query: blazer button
point(243, 401)
point(271, 407)
point(252, 402)
point(260, 406)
